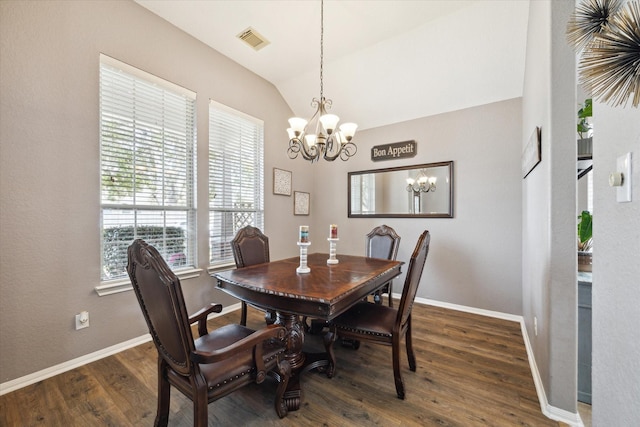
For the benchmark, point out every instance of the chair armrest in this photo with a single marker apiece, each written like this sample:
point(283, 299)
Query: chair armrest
point(247, 343)
point(201, 317)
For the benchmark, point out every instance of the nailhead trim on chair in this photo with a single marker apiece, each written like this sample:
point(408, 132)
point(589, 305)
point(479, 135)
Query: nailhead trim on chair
point(242, 374)
point(360, 331)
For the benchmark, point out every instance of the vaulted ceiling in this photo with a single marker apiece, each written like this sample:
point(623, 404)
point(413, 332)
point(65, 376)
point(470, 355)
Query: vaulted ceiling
point(384, 61)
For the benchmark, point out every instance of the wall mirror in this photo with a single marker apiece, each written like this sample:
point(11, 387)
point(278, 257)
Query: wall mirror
point(418, 191)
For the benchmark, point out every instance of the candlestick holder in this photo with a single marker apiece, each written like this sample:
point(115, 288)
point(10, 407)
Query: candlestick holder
point(332, 251)
point(303, 268)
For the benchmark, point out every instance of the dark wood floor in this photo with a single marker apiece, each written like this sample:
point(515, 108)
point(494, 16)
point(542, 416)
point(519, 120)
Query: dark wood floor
point(472, 371)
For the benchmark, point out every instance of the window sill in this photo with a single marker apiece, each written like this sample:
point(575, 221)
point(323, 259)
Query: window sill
point(123, 285)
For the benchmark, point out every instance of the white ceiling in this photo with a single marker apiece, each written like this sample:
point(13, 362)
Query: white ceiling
point(384, 61)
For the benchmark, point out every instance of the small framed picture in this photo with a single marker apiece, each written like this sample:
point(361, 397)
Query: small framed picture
point(281, 182)
point(300, 203)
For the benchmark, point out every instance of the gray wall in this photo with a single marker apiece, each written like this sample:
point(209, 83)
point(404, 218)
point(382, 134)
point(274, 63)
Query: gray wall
point(475, 257)
point(549, 260)
point(616, 271)
point(49, 169)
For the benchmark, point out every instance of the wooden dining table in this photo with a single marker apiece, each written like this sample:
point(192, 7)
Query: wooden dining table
point(324, 293)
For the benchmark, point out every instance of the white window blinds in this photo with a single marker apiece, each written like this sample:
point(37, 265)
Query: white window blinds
point(236, 170)
point(147, 158)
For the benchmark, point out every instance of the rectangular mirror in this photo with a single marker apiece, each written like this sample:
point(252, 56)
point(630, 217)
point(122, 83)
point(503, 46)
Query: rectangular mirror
point(419, 191)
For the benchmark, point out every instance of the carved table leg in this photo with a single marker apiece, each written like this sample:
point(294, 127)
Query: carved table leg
point(300, 361)
point(295, 356)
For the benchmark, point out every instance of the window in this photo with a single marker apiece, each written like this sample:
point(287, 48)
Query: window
point(363, 194)
point(236, 185)
point(147, 161)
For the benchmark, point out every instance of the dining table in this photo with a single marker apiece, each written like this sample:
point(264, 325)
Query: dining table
point(323, 293)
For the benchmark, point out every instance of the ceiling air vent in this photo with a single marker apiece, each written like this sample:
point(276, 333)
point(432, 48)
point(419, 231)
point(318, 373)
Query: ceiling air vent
point(253, 38)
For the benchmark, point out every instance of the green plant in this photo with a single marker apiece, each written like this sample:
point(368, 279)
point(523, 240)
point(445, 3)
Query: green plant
point(586, 110)
point(585, 231)
point(116, 240)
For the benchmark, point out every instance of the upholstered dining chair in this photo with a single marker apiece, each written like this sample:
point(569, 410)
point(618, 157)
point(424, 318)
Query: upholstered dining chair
point(211, 366)
point(380, 324)
point(250, 246)
point(383, 242)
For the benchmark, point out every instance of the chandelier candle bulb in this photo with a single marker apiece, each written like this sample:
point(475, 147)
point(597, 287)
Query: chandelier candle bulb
point(304, 234)
point(333, 231)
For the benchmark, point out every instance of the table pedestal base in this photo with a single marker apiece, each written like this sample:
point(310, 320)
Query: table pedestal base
point(300, 360)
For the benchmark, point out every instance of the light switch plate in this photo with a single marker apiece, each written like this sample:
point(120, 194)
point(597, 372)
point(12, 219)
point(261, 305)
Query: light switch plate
point(623, 165)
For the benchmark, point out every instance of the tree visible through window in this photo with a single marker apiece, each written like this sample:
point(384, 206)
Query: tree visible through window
point(236, 170)
point(147, 158)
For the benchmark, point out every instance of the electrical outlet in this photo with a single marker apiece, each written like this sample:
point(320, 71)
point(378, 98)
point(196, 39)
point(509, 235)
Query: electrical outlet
point(535, 326)
point(82, 320)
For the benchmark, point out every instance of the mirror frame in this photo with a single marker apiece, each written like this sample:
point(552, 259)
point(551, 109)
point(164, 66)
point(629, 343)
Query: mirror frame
point(401, 215)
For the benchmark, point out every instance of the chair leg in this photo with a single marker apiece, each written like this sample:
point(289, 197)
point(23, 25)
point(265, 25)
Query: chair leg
point(243, 314)
point(410, 355)
point(397, 377)
point(329, 338)
point(200, 403)
point(389, 292)
point(164, 395)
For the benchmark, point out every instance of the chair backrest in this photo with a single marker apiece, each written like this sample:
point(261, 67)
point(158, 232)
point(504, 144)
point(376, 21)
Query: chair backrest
point(160, 296)
point(250, 247)
point(412, 279)
point(382, 242)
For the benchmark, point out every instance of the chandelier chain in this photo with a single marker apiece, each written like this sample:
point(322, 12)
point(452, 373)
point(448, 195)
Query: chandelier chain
point(321, 46)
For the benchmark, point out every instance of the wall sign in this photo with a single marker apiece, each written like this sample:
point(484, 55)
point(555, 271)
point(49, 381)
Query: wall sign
point(397, 150)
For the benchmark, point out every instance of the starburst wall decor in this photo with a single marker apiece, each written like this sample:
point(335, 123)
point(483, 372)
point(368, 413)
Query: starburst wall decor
point(608, 34)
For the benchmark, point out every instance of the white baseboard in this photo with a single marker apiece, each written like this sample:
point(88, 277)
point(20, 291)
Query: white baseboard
point(33, 378)
point(552, 412)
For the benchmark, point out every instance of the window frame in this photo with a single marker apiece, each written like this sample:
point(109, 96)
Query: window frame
point(225, 219)
point(171, 148)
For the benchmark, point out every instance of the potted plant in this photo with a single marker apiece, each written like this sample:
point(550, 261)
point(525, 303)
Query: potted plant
point(585, 241)
point(585, 129)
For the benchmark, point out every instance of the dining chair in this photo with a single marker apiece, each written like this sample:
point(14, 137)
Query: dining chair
point(250, 246)
point(383, 242)
point(380, 324)
point(214, 364)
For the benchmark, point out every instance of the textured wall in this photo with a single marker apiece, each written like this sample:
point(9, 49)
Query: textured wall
point(549, 203)
point(49, 168)
point(475, 257)
point(616, 272)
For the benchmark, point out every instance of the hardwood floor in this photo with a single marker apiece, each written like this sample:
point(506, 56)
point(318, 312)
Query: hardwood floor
point(472, 371)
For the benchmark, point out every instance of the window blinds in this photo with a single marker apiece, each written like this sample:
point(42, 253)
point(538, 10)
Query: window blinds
point(147, 157)
point(236, 171)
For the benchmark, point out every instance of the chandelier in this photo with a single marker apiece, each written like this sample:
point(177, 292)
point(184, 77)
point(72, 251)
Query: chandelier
point(423, 183)
point(318, 137)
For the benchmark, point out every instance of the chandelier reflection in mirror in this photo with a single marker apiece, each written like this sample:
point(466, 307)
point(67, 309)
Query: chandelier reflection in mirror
point(422, 183)
point(318, 137)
